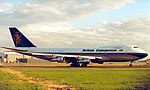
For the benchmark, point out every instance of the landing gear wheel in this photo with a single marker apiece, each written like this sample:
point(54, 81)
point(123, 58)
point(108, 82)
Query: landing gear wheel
point(84, 65)
point(130, 65)
point(71, 65)
point(74, 65)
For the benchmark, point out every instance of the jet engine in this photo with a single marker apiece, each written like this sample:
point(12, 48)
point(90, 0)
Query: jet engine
point(59, 59)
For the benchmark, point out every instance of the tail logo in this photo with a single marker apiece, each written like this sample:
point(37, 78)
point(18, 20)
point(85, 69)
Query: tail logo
point(17, 38)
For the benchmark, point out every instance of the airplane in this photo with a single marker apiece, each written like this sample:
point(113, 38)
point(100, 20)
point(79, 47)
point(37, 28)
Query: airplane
point(141, 60)
point(76, 56)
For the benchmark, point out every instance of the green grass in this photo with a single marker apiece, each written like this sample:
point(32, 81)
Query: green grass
point(96, 78)
point(12, 82)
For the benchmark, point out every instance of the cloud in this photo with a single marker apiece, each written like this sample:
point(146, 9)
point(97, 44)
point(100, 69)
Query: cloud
point(5, 6)
point(27, 12)
point(126, 31)
point(63, 34)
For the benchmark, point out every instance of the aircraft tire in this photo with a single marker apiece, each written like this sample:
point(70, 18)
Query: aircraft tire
point(84, 65)
point(130, 65)
point(74, 65)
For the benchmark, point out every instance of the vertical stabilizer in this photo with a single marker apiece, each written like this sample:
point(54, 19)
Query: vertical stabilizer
point(19, 39)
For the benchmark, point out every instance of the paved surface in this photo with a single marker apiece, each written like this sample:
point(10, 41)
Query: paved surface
point(145, 66)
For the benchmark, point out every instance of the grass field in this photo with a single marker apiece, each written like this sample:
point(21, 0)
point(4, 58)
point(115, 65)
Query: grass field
point(12, 82)
point(96, 78)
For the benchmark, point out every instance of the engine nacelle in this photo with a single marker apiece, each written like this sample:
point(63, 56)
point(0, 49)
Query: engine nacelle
point(58, 59)
point(84, 60)
point(97, 60)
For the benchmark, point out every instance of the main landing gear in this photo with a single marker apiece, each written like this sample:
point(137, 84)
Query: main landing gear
point(130, 65)
point(76, 64)
point(84, 65)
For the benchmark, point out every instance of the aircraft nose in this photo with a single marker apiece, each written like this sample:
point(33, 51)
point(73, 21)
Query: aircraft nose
point(143, 55)
point(146, 55)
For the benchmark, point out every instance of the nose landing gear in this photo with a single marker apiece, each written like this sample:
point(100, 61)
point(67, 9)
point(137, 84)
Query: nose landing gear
point(130, 65)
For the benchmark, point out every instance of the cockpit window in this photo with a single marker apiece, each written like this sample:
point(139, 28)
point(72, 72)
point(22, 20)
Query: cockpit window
point(135, 47)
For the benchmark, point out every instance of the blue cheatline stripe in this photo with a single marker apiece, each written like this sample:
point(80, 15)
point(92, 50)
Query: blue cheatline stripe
point(140, 55)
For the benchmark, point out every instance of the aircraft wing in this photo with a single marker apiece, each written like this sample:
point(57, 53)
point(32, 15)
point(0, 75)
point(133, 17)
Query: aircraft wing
point(14, 49)
point(25, 52)
point(58, 57)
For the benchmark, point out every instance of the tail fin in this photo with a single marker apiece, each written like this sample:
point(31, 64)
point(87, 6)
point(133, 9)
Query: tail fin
point(19, 39)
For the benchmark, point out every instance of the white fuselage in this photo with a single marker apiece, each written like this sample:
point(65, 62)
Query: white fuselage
point(119, 53)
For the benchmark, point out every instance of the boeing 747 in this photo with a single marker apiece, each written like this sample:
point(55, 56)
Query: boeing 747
point(76, 56)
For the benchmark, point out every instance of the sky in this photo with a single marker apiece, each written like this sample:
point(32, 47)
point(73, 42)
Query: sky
point(77, 23)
